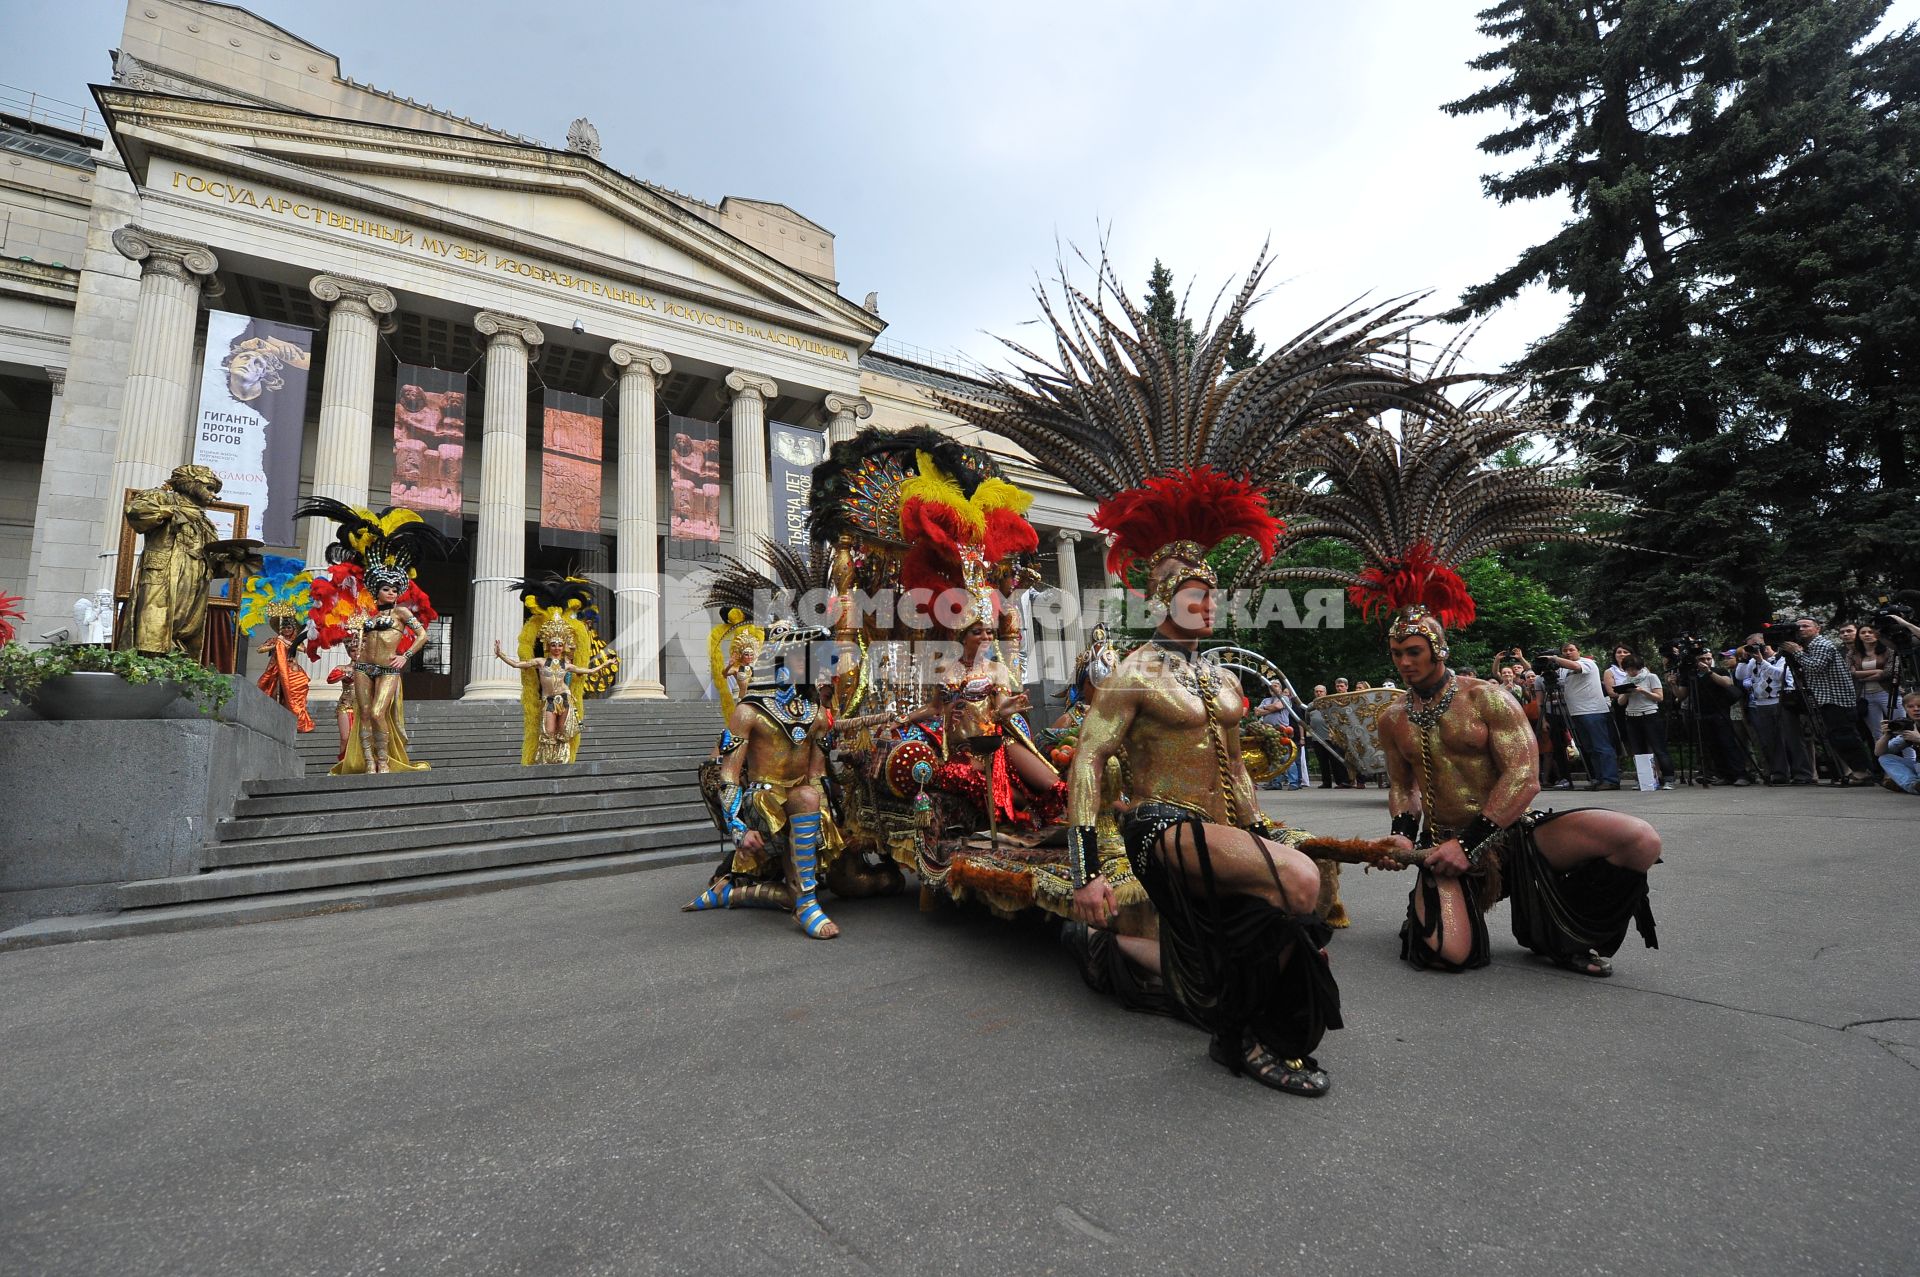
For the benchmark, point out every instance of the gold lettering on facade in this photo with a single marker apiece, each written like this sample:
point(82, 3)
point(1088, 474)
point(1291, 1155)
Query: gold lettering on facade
point(348, 224)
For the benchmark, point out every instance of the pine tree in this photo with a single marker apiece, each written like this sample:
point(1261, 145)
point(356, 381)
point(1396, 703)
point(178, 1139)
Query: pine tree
point(1166, 312)
point(1696, 142)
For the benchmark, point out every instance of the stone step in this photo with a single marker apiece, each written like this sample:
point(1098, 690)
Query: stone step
point(240, 910)
point(467, 775)
point(454, 786)
point(632, 818)
point(696, 839)
point(614, 793)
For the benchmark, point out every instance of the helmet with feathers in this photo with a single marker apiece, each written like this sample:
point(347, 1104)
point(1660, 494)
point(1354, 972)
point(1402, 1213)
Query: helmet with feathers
point(370, 552)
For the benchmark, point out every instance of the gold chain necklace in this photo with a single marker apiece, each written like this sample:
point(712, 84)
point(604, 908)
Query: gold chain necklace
point(1425, 719)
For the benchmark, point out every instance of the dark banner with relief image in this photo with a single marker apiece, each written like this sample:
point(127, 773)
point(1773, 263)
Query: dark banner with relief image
point(570, 470)
point(429, 444)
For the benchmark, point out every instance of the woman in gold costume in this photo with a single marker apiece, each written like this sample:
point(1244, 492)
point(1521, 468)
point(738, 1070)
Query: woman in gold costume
point(368, 601)
point(977, 698)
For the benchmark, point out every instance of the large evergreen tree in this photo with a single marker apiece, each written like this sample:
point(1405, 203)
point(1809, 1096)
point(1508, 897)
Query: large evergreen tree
point(1694, 141)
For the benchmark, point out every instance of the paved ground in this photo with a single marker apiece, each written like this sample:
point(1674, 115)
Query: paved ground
point(577, 1078)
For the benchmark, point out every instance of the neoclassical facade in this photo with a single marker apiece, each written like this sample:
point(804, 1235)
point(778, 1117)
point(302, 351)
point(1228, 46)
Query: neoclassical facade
point(239, 168)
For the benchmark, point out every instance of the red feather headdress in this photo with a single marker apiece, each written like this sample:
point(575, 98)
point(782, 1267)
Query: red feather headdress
point(1416, 578)
point(1183, 514)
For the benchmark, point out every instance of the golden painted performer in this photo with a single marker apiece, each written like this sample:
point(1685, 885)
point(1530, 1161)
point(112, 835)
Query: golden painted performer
point(368, 602)
point(179, 558)
point(558, 634)
point(1178, 453)
point(1462, 762)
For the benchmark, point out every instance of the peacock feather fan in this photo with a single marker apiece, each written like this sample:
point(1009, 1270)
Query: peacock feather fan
point(282, 587)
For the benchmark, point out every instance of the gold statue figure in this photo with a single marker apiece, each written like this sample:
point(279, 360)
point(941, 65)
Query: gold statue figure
point(178, 561)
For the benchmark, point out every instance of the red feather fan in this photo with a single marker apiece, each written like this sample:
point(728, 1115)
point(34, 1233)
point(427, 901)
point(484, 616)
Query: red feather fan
point(1418, 578)
point(1200, 505)
point(340, 592)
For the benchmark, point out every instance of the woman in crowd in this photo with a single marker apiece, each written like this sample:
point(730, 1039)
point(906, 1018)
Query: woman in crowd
point(1872, 663)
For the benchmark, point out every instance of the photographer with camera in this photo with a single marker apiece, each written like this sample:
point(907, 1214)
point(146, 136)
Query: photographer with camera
point(1639, 693)
point(1768, 681)
point(1822, 673)
point(1897, 748)
point(1586, 704)
point(1711, 694)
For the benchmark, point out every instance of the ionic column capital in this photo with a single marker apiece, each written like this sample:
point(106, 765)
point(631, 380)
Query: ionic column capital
point(503, 329)
point(751, 385)
point(360, 297)
point(1067, 536)
point(181, 259)
point(639, 360)
point(855, 406)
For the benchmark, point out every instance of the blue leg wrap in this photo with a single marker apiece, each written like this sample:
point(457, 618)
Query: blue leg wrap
point(803, 844)
point(712, 898)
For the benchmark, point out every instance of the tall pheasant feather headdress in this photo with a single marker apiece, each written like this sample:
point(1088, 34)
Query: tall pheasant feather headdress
point(759, 613)
point(1177, 452)
point(1421, 501)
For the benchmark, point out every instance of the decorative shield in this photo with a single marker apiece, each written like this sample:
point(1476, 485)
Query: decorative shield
point(909, 766)
point(1352, 726)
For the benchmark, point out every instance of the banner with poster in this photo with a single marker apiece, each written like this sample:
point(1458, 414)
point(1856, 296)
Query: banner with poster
point(253, 411)
point(570, 470)
point(792, 453)
point(693, 492)
point(429, 444)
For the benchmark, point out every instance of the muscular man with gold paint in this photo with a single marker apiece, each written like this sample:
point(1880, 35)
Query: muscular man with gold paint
point(1240, 947)
point(1462, 771)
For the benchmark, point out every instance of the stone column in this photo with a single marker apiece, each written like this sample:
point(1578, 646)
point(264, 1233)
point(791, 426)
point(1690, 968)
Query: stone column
point(846, 412)
point(751, 515)
point(1075, 630)
point(358, 312)
point(57, 382)
point(156, 415)
point(500, 542)
point(637, 522)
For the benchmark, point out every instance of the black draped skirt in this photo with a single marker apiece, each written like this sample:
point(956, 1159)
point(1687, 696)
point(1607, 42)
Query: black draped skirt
point(1235, 965)
point(1555, 914)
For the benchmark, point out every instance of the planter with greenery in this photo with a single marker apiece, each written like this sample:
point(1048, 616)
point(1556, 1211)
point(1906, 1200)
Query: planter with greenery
point(27, 673)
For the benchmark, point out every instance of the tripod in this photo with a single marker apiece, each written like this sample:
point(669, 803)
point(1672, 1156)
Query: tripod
point(1810, 710)
point(1554, 713)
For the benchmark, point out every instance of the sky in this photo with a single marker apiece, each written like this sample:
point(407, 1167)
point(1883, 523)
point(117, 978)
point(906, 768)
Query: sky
point(955, 150)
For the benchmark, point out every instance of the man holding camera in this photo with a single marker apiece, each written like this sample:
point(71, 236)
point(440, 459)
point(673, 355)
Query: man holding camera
point(1764, 673)
point(1711, 692)
point(1898, 748)
point(1822, 671)
point(1586, 703)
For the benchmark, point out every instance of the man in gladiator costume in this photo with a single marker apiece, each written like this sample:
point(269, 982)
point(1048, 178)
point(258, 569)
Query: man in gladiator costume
point(1463, 770)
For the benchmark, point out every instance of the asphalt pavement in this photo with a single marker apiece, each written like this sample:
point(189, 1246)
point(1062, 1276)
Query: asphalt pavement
point(577, 1078)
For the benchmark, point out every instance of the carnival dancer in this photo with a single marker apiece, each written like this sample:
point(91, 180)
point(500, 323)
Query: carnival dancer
point(1463, 772)
point(975, 698)
point(557, 636)
point(368, 601)
point(772, 789)
point(278, 596)
point(1177, 452)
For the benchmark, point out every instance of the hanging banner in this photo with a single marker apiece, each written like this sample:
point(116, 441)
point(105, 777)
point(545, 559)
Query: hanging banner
point(429, 444)
point(253, 411)
point(693, 471)
point(792, 453)
point(570, 470)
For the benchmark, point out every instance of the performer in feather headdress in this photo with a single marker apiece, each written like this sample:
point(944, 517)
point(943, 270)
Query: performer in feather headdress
point(1176, 452)
point(767, 780)
point(367, 601)
point(1461, 760)
point(559, 658)
point(278, 597)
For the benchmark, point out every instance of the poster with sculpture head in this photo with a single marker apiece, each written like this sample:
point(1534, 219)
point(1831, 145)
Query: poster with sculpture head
point(429, 444)
point(253, 411)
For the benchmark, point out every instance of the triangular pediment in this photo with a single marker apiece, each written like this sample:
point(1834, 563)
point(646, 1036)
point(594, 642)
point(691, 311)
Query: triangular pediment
point(553, 203)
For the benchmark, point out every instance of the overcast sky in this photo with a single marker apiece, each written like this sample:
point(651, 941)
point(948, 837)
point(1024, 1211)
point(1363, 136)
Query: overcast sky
point(948, 147)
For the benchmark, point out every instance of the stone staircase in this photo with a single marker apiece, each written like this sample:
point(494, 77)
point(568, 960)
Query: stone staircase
point(477, 821)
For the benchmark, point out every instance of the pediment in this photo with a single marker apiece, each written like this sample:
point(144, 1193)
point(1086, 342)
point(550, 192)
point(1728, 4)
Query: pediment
point(553, 202)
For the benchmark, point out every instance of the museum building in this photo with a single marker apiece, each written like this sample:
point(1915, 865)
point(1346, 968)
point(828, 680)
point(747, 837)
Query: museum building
point(241, 257)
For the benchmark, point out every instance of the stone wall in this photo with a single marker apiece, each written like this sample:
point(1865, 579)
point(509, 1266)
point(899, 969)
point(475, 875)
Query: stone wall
point(91, 805)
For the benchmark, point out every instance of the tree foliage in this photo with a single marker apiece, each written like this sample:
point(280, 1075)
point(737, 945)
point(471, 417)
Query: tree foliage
point(1740, 257)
